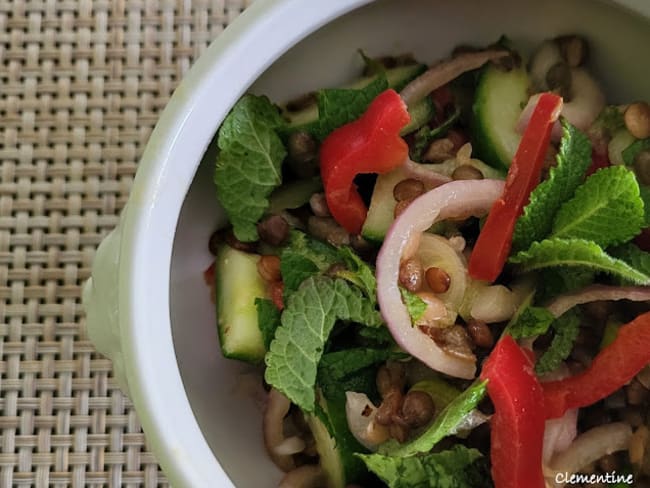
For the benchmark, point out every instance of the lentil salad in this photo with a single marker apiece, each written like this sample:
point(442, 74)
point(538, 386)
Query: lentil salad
point(415, 255)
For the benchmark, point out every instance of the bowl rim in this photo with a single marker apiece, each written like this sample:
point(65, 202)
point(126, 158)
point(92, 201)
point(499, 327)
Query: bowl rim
point(261, 34)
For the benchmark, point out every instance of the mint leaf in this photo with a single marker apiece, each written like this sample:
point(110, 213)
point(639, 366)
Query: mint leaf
point(352, 370)
point(415, 306)
point(307, 320)
point(576, 253)
point(425, 135)
point(249, 162)
point(632, 151)
point(339, 106)
point(609, 121)
point(458, 467)
point(632, 255)
point(303, 257)
point(644, 192)
point(557, 281)
point(531, 322)
point(268, 319)
point(606, 209)
point(444, 425)
point(566, 330)
point(376, 336)
point(358, 272)
point(573, 159)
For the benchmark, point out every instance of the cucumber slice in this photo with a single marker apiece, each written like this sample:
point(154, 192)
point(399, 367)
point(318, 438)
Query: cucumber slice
point(421, 113)
point(397, 78)
point(500, 98)
point(330, 459)
point(238, 284)
point(293, 195)
point(335, 443)
point(382, 206)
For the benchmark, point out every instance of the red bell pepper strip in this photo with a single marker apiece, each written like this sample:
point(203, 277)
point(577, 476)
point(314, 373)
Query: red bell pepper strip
point(370, 144)
point(494, 241)
point(517, 426)
point(613, 367)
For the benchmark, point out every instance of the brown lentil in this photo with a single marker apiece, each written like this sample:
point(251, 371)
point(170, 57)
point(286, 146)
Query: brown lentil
point(318, 205)
point(268, 267)
point(390, 407)
point(273, 230)
point(302, 147)
point(410, 274)
point(417, 409)
point(376, 434)
point(408, 189)
point(235, 243)
point(637, 119)
point(467, 172)
point(636, 393)
point(480, 333)
point(400, 207)
point(437, 279)
point(327, 229)
point(391, 376)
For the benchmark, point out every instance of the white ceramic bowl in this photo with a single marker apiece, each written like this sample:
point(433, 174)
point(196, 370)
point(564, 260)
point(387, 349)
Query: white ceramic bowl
point(147, 306)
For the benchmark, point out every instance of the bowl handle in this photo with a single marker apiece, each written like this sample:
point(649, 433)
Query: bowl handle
point(100, 301)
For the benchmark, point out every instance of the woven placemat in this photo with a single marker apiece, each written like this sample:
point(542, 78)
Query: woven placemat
point(82, 83)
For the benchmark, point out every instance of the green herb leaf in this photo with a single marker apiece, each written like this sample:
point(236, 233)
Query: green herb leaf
point(352, 370)
point(532, 321)
point(458, 467)
point(307, 320)
point(339, 106)
point(268, 319)
point(566, 330)
point(425, 135)
point(606, 209)
point(633, 150)
point(557, 281)
point(444, 425)
point(633, 256)
point(609, 121)
point(303, 257)
point(573, 159)
point(249, 162)
point(415, 306)
point(358, 272)
point(576, 253)
point(644, 192)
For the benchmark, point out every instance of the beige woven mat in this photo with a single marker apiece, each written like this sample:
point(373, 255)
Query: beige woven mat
point(82, 83)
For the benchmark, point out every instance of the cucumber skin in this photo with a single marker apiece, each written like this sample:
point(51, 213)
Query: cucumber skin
point(487, 142)
point(341, 466)
point(236, 269)
point(397, 79)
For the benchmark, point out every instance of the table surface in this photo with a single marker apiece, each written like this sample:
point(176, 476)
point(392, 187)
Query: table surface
point(82, 84)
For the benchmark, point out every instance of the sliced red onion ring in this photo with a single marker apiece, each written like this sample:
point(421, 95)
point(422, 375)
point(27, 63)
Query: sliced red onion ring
point(559, 433)
point(447, 70)
point(586, 449)
point(598, 292)
point(426, 175)
point(456, 199)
